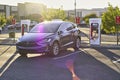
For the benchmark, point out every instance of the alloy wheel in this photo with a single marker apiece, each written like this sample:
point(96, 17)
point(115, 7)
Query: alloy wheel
point(55, 49)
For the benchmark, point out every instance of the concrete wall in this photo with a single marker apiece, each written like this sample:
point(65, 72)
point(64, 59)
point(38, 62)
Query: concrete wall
point(2, 9)
point(26, 9)
point(8, 10)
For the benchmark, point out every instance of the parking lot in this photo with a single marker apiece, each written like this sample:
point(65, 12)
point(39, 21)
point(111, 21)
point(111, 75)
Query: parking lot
point(85, 64)
point(88, 63)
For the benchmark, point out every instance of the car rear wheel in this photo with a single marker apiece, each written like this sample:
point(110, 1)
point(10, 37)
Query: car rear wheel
point(55, 49)
point(77, 44)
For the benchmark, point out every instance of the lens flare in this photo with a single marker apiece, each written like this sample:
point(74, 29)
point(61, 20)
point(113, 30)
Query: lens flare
point(70, 66)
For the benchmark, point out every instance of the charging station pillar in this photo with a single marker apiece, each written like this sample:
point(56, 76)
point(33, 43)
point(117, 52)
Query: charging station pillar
point(95, 31)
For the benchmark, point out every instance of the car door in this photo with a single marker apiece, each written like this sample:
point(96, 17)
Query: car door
point(65, 36)
point(70, 30)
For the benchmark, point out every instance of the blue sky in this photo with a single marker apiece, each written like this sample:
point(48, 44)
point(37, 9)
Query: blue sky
point(67, 4)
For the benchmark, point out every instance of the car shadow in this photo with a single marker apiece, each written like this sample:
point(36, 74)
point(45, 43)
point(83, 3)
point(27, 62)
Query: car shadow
point(85, 66)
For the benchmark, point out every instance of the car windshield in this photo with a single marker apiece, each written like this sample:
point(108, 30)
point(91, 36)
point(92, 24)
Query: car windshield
point(45, 28)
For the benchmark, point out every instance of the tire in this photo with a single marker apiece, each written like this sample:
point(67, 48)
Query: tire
point(77, 44)
point(23, 54)
point(55, 49)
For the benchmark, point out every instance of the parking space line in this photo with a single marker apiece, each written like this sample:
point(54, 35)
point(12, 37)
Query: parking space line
point(66, 55)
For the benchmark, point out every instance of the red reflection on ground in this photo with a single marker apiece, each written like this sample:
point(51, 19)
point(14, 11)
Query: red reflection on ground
point(70, 66)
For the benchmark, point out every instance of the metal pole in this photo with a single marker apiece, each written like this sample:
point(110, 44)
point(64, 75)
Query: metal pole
point(75, 10)
point(117, 32)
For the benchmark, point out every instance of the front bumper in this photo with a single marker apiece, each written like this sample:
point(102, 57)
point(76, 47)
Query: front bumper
point(44, 48)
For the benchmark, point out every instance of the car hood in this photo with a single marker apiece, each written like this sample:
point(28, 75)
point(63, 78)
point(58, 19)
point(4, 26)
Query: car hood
point(32, 37)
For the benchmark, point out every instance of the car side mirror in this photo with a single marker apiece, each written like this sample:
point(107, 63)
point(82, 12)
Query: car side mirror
point(60, 32)
point(70, 28)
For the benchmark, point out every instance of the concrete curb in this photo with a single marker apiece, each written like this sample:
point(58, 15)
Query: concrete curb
point(101, 46)
point(8, 44)
point(88, 46)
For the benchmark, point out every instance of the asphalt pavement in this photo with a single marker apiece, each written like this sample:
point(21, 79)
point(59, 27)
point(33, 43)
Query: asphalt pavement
point(84, 64)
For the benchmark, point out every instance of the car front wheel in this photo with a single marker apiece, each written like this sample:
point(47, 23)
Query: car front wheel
point(55, 49)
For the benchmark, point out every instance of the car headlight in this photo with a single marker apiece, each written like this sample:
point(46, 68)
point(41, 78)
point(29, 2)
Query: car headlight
point(44, 41)
point(48, 40)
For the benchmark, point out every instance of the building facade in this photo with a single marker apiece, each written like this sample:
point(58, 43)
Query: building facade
point(27, 8)
point(83, 12)
point(8, 10)
point(22, 9)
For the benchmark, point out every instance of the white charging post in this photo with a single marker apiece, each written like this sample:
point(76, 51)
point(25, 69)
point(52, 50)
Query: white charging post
point(95, 31)
point(25, 22)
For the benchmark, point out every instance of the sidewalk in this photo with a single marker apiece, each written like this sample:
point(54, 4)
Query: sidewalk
point(107, 41)
point(5, 40)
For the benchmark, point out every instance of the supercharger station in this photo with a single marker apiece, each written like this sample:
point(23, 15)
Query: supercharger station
point(95, 31)
point(23, 23)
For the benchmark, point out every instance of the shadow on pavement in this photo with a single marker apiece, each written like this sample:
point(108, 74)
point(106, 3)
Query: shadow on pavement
point(43, 67)
point(109, 54)
point(112, 56)
point(8, 61)
point(5, 50)
point(88, 67)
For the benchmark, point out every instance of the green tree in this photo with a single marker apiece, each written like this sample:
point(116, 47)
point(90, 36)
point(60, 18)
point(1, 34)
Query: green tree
point(108, 19)
point(9, 19)
point(70, 18)
point(35, 17)
point(53, 14)
point(86, 18)
point(2, 21)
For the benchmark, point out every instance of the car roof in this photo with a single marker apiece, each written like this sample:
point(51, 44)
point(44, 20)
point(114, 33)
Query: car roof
point(54, 22)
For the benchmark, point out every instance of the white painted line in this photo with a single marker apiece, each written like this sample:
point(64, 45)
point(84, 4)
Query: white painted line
point(66, 55)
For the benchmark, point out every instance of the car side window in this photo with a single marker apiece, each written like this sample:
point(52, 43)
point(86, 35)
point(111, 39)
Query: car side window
point(69, 28)
point(63, 27)
point(66, 27)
